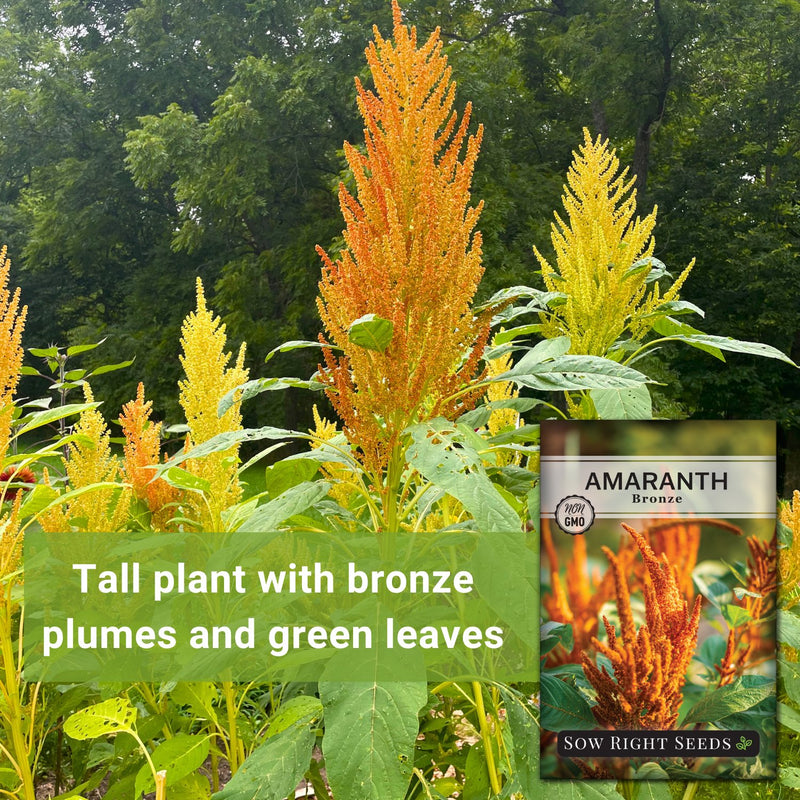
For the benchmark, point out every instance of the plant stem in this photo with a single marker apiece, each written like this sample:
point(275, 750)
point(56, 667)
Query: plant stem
point(161, 785)
point(233, 737)
point(486, 736)
point(14, 713)
point(691, 790)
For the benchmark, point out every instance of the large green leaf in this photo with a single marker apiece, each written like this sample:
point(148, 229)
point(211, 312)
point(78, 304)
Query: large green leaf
point(564, 707)
point(581, 790)
point(259, 385)
point(50, 415)
point(524, 752)
point(115, 715)
point(293, 501)
point(371, 332)
point(441, 454)
point(277, 765)
point(370, 730)
point(633, 403)
point(726, 700)
point(574, 373)
point(178, 757)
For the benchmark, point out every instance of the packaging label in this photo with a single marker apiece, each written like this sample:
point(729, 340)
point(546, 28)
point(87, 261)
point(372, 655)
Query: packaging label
point(659, 574)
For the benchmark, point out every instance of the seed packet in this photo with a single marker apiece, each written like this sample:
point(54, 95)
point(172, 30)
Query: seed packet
point(658, 600)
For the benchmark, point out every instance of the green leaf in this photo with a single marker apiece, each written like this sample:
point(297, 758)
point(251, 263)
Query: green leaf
point(301, 709)
point(513, 333)
point(790, 776)
point(179, 756)
point(789, 717)
point(789, 628)
point(111, 367)
point(667, 326)
point(735, 615)
point(581, 790)
point(371, 332)
point(441, 455)
point(276, 766)
point(574, 373)
point(652, 782)
point(50, 415)
point(553, 634)
point(192, 787)
point(77, 349)
point(259, 385)
point(199, 696)
point(298, 344)
point(45, 352)
point(183, 479)
point(563, 706)
point(370, 731)
point(634, 403)
point(524, 752)
point(116, 715)
point(726, 700)
point(283, 474)
point(477, 785)
point(790, 673)
point(546, 350)
point(293, 501)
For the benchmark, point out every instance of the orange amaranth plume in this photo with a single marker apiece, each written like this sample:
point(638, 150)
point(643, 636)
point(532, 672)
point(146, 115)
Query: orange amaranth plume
point(411, 253)
point(649, 665)
point(142, 452)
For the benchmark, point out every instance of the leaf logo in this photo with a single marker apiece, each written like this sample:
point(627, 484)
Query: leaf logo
point(743, 743)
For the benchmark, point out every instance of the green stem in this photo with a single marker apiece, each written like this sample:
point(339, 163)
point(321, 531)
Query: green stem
point(14, 712)
point(691, 790)
point(233, 737)
point(486, 736)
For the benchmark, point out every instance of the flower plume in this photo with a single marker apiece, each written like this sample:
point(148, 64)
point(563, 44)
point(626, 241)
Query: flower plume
point(411, 253)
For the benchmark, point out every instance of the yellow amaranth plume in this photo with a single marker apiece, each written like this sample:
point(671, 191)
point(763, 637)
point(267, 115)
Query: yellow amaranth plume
point(339, 474)
point(598, 249)
point(208, 380)
point(789, 554)
point(90, 462)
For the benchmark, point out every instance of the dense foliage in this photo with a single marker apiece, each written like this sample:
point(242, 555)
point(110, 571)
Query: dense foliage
point(150, 144)
point(144, 144)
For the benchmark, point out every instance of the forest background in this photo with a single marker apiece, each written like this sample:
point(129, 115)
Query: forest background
point(144, 143)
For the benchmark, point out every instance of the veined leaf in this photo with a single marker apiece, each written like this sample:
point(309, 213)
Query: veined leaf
point(179, 756)
point(440, 453)
point(183, 479)
point(564, 707)
point(371, 332)
point(573, 373)
point(39, 418)
point(726, 700)
point(276, 766)
point(370, 730)
point(259, 385)
point(293, 501)
point(115, 715)
point(633, 403)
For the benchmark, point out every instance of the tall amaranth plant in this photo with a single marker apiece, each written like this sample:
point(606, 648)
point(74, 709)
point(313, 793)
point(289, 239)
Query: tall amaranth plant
point(412, 257)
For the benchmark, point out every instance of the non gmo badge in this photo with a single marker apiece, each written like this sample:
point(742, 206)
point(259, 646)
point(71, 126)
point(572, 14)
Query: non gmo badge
point(574, 514)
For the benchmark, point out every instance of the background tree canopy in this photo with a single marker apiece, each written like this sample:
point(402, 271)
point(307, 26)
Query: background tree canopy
point(145, 142)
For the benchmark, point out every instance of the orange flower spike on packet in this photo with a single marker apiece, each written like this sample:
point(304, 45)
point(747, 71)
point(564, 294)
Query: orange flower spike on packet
point(649, 665)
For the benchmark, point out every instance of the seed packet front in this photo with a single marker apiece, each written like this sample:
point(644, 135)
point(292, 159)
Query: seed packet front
point(658, 600)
